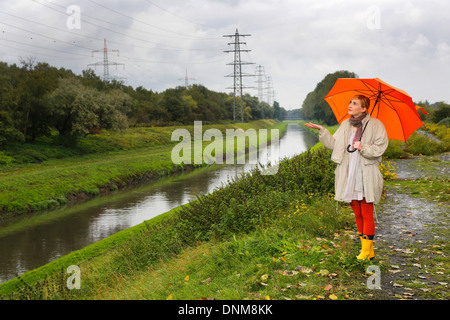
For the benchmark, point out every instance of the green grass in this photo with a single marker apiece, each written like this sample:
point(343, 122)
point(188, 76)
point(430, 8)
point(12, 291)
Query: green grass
point(137, 155)
point(260, 237)
point(293, 256)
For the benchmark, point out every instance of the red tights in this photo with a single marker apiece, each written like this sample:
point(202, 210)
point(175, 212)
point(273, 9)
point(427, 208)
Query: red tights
point(364, 216)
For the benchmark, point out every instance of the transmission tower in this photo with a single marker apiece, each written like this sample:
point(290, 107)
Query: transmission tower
point(260, 73)
point(106, 62)
point(237, 74)
point(186, 80)
point(270, 91)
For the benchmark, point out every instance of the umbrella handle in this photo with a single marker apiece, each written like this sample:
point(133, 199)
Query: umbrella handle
point(349, 146)
point(348, 149)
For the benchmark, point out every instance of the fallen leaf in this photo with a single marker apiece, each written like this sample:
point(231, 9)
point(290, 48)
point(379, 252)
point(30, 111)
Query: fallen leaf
point(283, 272)
point(332, 297)
point(328, 287)
point(206, 281)
point(333, 275)
point(394, 271)
point(324, 272)
point(187, 278)
point(169, 297)
point(289, 286)
point(303, 269)
point(264, 277)
point(262, 283)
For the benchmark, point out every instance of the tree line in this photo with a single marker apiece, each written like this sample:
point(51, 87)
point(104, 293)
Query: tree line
point(38, 100)
point(315, 107)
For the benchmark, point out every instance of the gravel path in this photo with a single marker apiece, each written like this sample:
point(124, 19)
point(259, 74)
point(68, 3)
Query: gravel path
point(411, 241)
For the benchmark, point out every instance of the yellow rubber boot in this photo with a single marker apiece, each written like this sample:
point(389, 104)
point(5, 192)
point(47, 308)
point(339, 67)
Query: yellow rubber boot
point(366, 249)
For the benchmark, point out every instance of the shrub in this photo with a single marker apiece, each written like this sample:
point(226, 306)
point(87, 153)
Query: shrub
point(388, 171)
point(394, 150)
point(445, 122)
point(5, 159)
point(421, 145)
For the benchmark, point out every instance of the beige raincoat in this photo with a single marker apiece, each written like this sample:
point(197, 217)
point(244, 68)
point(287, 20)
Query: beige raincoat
point(374, 142)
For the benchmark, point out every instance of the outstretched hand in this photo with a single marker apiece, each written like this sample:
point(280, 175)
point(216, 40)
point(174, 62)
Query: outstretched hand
point(313, 126)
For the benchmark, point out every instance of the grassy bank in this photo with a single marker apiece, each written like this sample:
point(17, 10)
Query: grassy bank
point(235, 209)
point(261, 237)
point(100, 164)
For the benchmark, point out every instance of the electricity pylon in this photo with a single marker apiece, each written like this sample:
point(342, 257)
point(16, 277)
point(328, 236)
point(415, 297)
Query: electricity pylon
point(186, 80)
point(260, 73)
point(237, 74)
point(106, 62)
point(270, 91)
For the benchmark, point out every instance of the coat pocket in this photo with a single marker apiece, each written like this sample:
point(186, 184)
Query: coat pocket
point(370, 162)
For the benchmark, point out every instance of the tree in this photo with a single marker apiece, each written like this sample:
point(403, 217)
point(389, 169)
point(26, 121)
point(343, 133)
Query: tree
point(314, 107)
point(112, 109)
point(171, 101)
point(74, 110)
point(442, 112)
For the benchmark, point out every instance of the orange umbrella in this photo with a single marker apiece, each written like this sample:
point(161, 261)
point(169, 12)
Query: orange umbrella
point(392, 106)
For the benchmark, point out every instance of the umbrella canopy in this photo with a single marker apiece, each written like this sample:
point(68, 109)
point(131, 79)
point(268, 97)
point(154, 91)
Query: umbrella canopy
point(392, 106)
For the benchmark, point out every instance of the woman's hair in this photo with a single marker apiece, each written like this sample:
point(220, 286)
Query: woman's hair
point(365, 102)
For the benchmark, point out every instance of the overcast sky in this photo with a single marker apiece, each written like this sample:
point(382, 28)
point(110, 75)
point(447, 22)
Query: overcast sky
point(297, 42)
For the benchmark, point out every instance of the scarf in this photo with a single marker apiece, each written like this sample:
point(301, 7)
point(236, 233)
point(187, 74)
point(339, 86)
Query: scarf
point(357, 122)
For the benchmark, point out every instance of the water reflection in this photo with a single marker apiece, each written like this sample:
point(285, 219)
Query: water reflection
point(48, 236)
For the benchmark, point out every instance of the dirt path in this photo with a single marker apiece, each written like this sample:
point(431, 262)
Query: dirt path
point(412, 232)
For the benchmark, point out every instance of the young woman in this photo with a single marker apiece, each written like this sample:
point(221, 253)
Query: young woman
point(358, 145)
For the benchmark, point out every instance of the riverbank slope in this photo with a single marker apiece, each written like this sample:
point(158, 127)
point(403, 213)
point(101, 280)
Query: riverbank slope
point(108, 162)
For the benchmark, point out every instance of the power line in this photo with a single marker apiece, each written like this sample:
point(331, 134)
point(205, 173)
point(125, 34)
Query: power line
point(143, 22)
point(237, 74)
point(180, 17)
point(168, 47)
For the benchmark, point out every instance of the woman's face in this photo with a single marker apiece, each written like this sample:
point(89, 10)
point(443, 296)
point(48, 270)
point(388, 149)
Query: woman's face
point(354, 108)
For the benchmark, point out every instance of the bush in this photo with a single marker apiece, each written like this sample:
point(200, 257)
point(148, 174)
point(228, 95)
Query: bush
point(445, 122)
point(440, 131)
point(421, 145)
point(388, 171)
point(5, 159)
point(394, 150)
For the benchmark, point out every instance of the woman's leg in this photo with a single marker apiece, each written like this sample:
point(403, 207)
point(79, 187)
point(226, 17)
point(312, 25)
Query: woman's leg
point(356, 206)
point(367, 216)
